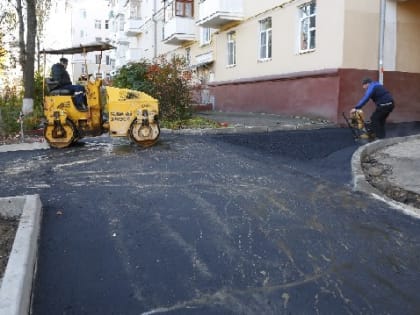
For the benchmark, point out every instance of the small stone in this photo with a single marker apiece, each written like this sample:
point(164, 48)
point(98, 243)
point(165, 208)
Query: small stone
point(375, 171)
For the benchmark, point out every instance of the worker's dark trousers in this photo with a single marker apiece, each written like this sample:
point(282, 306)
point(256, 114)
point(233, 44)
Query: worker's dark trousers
point(378, 119)
point(79, 91)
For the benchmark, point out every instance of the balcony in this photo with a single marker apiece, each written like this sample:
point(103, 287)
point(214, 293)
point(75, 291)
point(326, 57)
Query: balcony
point(216, 13)
point(121, 38)
point(132, 26)
point(133, 54)
point(203, 59)
point(179, 30)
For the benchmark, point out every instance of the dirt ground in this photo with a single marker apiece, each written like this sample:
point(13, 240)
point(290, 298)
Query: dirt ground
point(378, 174)
point(7, 235)
point(14, 139)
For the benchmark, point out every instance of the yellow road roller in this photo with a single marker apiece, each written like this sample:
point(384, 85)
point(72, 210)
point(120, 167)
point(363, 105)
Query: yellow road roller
point(119, 112)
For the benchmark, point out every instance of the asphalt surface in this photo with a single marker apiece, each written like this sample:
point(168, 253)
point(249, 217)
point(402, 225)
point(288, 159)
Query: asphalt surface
point(242, 223)
point(396, 162)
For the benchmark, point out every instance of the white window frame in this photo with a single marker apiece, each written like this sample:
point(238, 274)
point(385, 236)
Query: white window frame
point(135, 9)
point(168, 9)
point(231, 49)
point(307, 27)
point(98, 59)
point(188, 55)
point(98, 24)
point(265, 40)
point(121, 22)
point(205, 35)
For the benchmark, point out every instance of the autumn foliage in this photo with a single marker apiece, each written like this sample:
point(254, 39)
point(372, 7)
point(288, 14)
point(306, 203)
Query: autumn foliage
point(166, 80)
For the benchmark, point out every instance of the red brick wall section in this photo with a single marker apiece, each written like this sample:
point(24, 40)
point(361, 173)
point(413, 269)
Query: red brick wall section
point(351, 92)
point(313, 95)
point(405, 88)
point(325, 94)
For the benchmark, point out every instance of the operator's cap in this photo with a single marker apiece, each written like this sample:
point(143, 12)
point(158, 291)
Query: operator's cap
point(366, 80)
point(64, 60)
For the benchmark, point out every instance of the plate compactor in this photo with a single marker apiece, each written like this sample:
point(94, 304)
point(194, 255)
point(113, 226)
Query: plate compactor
point(360, 129)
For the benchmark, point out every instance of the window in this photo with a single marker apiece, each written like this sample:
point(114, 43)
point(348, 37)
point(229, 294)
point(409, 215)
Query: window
point(98, 24)
point(107, 60)
point(205, 37)
point(107, 24)
point(231, 48)
point(265, 38)
point(121, 22)
point(168, 11)
point(134, 9)
point(184, 8)
point(188, 55)
point(98, 59)
point(307, 26)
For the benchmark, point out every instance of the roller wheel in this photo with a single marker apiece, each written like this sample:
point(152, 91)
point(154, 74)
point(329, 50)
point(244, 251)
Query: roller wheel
point(64, 138)
point(144, 135)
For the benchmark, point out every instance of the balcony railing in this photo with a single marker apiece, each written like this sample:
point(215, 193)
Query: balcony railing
point(215, 13)
point(132, 27)
point(133, 54)
point(121, 37)
point(178, 30)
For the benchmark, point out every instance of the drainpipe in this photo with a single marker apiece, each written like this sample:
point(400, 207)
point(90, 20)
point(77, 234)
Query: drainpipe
point(381, 41)
point(155, 35)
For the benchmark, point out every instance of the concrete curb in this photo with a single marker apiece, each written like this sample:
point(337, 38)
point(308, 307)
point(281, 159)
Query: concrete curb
point(24, 146)
point(359, 180)
point(16, 286)
point(249, 129)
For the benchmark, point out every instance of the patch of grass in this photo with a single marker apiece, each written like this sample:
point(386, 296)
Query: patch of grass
point(194, 122)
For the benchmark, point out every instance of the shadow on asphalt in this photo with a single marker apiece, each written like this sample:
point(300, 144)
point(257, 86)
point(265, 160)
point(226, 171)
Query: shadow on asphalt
point(403, 129)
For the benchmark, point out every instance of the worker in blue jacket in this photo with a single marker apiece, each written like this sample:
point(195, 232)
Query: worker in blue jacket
point(384, 105)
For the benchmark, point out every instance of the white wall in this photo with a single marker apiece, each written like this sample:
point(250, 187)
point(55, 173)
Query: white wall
point(285, 31)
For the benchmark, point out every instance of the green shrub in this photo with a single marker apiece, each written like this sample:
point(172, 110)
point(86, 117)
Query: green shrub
point(165, 80)
point(11, 106)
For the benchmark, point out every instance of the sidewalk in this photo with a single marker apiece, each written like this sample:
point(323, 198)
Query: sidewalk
point(246, 121)
point(389, 169)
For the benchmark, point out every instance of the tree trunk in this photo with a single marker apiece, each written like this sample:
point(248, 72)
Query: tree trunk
point(21, 25)
point(28, 71)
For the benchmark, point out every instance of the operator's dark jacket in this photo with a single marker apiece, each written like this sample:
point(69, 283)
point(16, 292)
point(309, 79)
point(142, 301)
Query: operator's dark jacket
point(60, 74)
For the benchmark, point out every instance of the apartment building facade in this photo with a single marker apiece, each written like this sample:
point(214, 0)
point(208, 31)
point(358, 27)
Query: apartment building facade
point(90, 23)
point(301, 57)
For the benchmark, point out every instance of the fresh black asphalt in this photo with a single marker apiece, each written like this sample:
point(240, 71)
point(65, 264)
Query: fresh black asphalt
point(261, 223)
